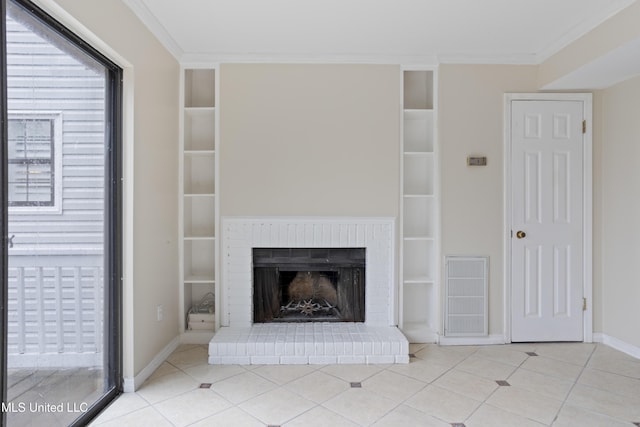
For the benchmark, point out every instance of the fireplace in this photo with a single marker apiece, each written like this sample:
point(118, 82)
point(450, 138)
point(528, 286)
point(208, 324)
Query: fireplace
point(308, 285)
point(327, 250)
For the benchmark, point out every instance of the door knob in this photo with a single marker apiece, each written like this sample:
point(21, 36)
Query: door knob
point(521, 234)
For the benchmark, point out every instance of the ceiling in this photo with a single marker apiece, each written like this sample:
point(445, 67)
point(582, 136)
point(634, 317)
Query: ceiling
point(382, 31)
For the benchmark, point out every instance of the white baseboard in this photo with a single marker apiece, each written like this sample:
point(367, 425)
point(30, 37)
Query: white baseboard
point(130, 385)
point(483, 340)
point(617, 344)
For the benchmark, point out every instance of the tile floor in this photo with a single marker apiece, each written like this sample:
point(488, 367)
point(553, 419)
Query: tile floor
point(519, 385)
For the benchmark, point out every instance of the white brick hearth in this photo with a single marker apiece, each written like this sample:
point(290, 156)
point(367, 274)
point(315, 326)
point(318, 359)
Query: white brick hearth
point(308, 343)
point(376, 340)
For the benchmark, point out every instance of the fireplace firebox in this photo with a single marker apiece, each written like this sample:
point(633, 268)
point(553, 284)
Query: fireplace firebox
point(308, 285)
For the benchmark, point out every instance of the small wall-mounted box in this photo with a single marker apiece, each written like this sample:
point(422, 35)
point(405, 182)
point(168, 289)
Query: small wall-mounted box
point(477, 161)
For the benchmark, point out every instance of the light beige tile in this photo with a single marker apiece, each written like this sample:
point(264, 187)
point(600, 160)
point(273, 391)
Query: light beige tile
point(521, 347)
point(167, 386)
point(526, 404)
point(193, 356)
point(320, 417)
point(443, 404)
point(405, 415)
point(612, 383)
point(146, 417)
point(213, 373)
point(414, 348)
point(466, 384)
point(552, 367)
point(543, 384)
point(124, 404)
point(486, 368)
point(277, 406)
point(234, 417)
point(613, 405)
point(571, 416)
point(318, 386)
point(353, 373)
point(616, 363)
point(192, 406)
point(445, 355)
point(502, 354)
point(282, 374)
point(421, 370)
point(490, 416)
point(165, 369)
point(240, 388)
point(360, 406)
point(574, 353)
point(394, 386)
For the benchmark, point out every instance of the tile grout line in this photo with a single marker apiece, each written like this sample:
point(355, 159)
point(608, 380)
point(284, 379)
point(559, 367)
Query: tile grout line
point(484, 402)
point(575, 382)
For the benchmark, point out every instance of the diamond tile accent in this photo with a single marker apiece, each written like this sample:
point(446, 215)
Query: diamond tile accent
point(502, 383)
point(531, 353)
point(205, 385)
point(458, 425)
point(356, 385)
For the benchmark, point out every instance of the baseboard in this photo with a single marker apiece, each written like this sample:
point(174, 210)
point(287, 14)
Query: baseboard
point(482, 340)
point(617, 344)
point(130, 385)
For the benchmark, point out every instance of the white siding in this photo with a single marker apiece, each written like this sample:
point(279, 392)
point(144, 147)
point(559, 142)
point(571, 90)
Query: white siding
point(56, 264)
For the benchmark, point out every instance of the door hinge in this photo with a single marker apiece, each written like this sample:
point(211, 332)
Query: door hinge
point(584, 304)
point(584, 126)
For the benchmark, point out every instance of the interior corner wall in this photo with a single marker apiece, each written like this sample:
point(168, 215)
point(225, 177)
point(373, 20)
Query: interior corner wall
point(620, 211)
point(309, 140)
point(471, 122)
point(154, 89)
point(611, 34)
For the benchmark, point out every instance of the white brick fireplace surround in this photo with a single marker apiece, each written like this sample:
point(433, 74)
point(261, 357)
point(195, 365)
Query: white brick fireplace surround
point(376, 340)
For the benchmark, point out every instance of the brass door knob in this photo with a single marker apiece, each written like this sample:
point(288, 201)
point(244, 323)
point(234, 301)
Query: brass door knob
point(521, 234)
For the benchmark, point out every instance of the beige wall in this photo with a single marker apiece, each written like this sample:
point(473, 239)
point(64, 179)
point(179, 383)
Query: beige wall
point(152, 76)
point(312, 140)
point(470, 121)
point(620, 211)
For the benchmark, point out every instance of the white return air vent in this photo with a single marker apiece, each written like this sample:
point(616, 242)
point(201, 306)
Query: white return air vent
point(466, 281)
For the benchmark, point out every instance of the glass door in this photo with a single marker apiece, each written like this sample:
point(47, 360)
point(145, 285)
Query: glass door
point(61, 181)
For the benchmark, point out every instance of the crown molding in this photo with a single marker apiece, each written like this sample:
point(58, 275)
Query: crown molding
point(195, 58)
point(614, 7)
point(157, 29)
point(489, 59)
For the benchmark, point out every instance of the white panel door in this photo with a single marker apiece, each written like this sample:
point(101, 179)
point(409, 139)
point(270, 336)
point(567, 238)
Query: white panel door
point(547, 218)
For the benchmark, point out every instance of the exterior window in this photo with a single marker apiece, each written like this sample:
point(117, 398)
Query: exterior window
point(33, 167)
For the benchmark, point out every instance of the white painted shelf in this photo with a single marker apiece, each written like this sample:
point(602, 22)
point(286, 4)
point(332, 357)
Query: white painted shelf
point(419, 224)
point(198, 201)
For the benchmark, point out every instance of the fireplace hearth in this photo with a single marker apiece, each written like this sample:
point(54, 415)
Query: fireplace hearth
point(308, 285)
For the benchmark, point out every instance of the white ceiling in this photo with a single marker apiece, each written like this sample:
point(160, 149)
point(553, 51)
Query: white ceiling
point(384, 31)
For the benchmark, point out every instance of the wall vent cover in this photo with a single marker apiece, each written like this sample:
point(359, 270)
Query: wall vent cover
point(466, 283)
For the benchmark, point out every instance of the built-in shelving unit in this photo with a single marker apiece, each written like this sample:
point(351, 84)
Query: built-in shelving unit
point(198, 207)
point(419, 209)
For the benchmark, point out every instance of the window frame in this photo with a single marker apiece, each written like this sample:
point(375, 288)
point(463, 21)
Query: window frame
point(57, 118)
point(113, 309)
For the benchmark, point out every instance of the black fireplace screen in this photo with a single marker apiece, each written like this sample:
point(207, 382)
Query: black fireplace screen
point(308, 285)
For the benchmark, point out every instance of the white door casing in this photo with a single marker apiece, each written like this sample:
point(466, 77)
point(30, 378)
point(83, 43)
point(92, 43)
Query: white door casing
point(547, 202)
